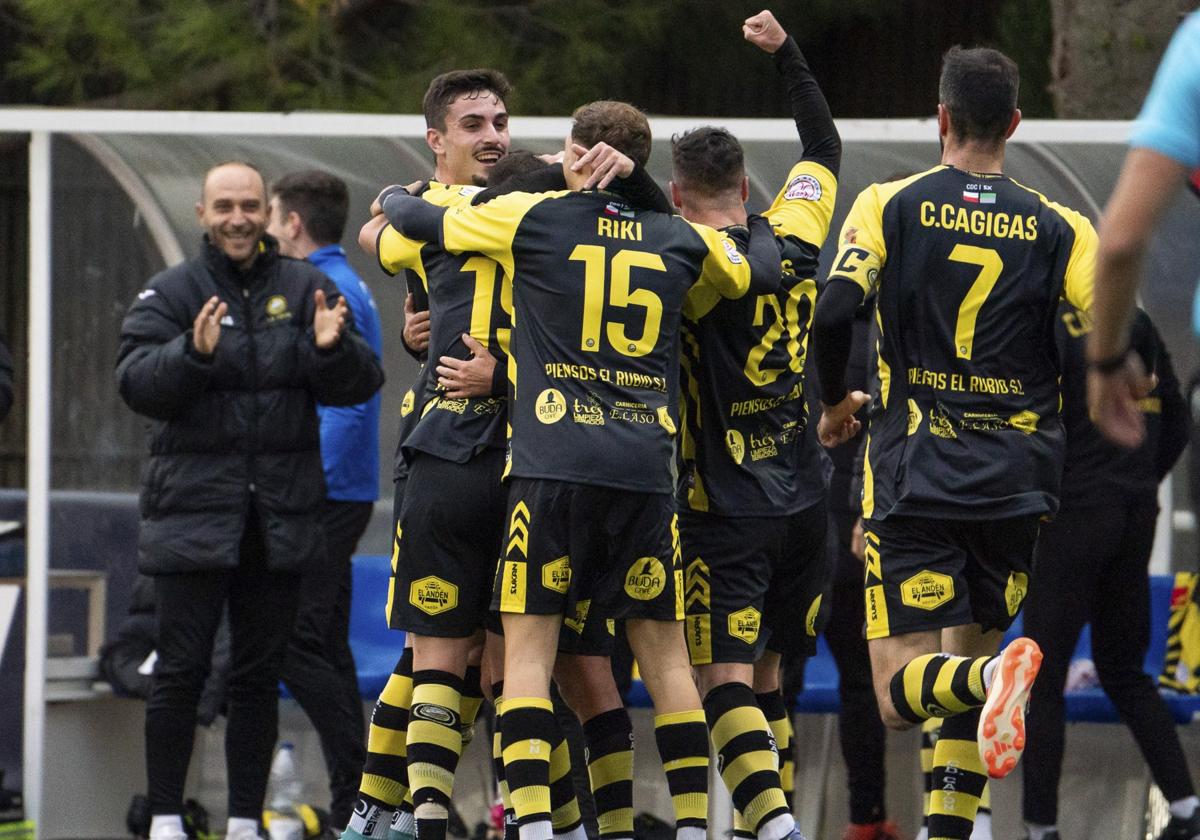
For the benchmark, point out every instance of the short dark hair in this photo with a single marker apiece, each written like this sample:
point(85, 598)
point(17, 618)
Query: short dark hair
point(319, 198)
point(708, 160)
point(979, 88)
point(446, 88)
point(516, 162)
point(618, 124)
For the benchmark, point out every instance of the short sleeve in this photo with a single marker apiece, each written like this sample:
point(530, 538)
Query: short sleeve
point(861, 249)
point(804, 206)
point(724, 272)
point(489, 228)
point(397, 252)
point(1081, 265)
point(1169, 122)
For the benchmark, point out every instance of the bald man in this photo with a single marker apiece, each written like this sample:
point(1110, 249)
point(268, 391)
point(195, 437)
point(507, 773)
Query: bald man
point(227, 355)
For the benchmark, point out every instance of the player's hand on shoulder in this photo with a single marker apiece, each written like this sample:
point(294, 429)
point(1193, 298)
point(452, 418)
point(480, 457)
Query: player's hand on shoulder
point(606, 164)
point(764, 31)
point(838, 423)
point(412, 189)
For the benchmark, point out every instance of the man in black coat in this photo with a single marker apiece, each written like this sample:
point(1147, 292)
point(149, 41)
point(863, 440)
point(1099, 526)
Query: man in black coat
point(228, 355)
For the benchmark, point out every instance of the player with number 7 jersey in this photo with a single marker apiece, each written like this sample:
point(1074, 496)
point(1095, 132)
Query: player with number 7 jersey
point(969, 269)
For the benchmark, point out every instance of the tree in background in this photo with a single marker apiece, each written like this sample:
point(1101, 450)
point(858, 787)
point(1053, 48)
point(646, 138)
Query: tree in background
point(875, 58)
point(1105, 53)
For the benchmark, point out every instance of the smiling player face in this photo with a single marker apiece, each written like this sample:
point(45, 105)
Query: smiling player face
point(475, 137)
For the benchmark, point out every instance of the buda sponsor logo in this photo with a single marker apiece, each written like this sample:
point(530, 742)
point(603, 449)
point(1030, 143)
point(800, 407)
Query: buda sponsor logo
point(645, 579)
point(550, 406)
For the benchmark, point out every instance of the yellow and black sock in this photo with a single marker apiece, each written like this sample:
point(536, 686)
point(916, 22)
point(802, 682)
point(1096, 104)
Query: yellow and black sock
point(472, 702)
point(434, 745)
point(565, 818)
point(682, 739)
point(385, 774)
point(741, 828)
point(930, 730)
point(959, 778)
point(528, 730)
point(510, 819)
point(747, 758)
point(780, 721)
point(983, 816)
point(609, 739)
point(938, 685)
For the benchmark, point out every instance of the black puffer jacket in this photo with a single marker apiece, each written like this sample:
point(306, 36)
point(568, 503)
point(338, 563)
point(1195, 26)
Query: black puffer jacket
point(239, 428)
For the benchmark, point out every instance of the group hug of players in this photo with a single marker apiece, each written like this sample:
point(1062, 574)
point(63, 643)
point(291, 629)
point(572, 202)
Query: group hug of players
point(611, 426)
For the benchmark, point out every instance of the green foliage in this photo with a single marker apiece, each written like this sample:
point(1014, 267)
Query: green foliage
point(1025, 34)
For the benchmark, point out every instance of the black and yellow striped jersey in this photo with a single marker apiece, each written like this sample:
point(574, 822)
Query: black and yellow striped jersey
point(599, 290)
point(969, 269)
point(743, 450)
point(466, 293)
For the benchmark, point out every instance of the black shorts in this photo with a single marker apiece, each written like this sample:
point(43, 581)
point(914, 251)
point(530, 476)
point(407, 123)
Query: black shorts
point(568, 542)
point(928, 574)
point(446, 540)
point(753, 583)
point(582, 633)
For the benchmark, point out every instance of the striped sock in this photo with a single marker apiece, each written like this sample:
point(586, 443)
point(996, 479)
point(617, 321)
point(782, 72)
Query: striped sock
point(472, 702)
point(959, 778)
point(775, 711)
point(529, 730)
point(983, 816)
point(498, 756)
point(682, 739)
point(939, 685)
point(609, 739)
point(434, 746)
point(930, 730)
point(747, 758)
point(564, 807)
point(384, 781)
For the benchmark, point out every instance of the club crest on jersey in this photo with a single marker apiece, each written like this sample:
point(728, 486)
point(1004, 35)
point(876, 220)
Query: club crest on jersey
point(551, 406)
point(645, 579)
point(731, 251)
point(804, 188)
point(277, 308)
point(616, 208)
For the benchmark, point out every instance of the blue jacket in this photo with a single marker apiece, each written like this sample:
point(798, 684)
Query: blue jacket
point(350, 435)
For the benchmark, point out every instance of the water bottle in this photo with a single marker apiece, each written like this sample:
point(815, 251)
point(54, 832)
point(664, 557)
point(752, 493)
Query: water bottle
point(285, 822)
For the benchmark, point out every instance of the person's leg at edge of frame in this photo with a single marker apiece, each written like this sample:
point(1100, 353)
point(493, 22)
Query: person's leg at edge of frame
point(680, 729)
point(586, 684)
point(746, 747)
point(434, 728)
point(378, 812)
point(493, 668)
point(527, 721)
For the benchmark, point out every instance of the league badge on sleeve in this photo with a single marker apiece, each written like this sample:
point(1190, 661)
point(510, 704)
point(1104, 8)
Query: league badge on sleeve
point(803, 188)
point(731, 251)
